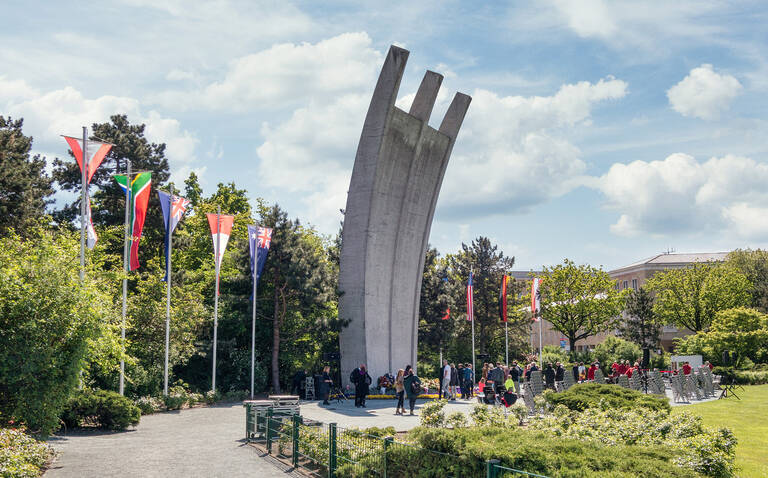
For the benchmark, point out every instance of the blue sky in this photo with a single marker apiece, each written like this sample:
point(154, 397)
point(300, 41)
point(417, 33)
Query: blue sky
point(599, 131)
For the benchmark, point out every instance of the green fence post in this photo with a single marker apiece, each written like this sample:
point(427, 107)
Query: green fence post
point(295, 451)
point(387, 442)
point(269, 431)
point(248, 422)
point(331, 450)
point(490, 471)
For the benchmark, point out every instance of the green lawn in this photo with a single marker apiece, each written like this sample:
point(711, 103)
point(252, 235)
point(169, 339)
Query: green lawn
point(748, 419)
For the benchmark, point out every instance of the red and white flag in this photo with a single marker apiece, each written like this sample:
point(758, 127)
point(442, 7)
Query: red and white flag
point(221, 227)
point(97, 151)
point(535, 298)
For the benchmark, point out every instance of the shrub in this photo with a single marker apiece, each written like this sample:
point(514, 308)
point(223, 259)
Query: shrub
point(520, 411)
point(613, 349)
point(592, 395)
point(21, 455)
point(456, 420)
point(741, 377)
point(463, 452)
point(102, 408)
point(432, 414)
point(149, 405)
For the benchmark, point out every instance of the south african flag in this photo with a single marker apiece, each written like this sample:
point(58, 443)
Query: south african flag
point(138, 199)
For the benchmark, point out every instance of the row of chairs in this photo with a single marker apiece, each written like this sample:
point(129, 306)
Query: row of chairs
point(698, 385)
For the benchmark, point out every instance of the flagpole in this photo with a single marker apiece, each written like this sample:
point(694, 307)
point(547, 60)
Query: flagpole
point(473, 329)
point(506, 342)
point(126, 268)
point(253, 319)
point(216, 298)
point(169, 240)
point(541, 345)
point(83, 199)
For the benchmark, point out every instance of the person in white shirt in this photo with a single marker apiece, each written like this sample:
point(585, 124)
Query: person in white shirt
point(446, 385)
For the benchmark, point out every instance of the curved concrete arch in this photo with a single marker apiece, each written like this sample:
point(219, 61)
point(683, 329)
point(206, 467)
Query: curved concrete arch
point(396, 179)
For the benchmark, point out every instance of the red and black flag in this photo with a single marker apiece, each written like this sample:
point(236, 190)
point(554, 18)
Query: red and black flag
point(503, 299)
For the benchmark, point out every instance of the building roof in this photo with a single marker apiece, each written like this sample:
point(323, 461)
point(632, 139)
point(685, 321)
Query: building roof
point(524, 275)
point(672, 259)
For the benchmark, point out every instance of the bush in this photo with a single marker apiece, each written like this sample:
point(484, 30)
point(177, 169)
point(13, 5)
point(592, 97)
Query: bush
point(149, 405)
point(741, 377)
point(552, 354)
point(467, 449)
point(613, 349)
point(102, 408)
point(432, 414)
point(592, 395)
point(21, 456)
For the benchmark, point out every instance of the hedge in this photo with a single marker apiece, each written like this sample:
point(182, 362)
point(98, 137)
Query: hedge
point(590, 395)
point(742, 377)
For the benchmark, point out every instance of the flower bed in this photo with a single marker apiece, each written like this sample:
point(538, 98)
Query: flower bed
point(21, 455)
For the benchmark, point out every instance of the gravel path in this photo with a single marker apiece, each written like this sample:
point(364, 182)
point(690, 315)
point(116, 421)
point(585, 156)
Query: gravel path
point(201, 442)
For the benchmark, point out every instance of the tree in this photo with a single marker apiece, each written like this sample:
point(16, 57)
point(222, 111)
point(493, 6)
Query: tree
point(692, 296)
point(639, 324)
point(25, 187)
point(50, 323)
point(488, 265)
point(754, 265)
point(742, 332)
point(108, 198)
point(579, 301)
point(435, 301)
point(613, 349)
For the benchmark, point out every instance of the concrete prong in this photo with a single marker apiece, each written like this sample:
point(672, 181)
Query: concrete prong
point(426, 96)
point(455, 115)
point(391, 73)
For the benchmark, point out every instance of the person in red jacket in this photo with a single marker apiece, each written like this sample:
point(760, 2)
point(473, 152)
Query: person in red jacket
point(591, 372)
point(686, 368)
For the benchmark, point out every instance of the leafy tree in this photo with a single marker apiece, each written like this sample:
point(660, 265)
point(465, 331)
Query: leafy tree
point(25, 187)
point(193, 191)
point(579, 301)
point(49, 325)
point(639, 324)
point(741, 331)
point(613, 349)
point(754, 265)
point(692, 296)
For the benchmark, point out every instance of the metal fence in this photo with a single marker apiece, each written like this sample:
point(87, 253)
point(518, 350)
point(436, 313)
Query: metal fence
point(328, 450)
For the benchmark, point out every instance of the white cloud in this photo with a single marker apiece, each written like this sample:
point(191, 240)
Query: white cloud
point(680, 194)
point(65, 111)
point(289, 74)
point(512, 152)
point(704, 93)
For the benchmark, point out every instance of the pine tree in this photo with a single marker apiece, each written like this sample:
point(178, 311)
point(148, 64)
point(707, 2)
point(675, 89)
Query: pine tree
point(25, 187)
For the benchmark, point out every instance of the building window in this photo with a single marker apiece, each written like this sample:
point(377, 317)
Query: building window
point(625, 284)
point(634, 284)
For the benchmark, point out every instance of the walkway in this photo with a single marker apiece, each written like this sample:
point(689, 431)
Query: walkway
point(201, 442)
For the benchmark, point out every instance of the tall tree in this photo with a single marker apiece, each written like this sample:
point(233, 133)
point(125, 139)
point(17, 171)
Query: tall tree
point(754, 265)
point(488, 265)
point(25, 187)
point(130, 144)
point(640, 325)
point(434, 303)
point(692, 296)
point(579, 301)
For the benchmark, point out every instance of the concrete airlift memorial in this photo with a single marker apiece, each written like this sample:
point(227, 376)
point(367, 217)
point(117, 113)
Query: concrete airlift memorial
point(396, 179)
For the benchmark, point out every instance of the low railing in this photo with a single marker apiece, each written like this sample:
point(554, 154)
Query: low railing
point(331, 451)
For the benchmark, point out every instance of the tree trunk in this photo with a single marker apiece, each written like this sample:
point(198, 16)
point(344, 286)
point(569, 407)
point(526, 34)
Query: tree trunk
point(646, 357)
point(276, 345)
point(572, 343)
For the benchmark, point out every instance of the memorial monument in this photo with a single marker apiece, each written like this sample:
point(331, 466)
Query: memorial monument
point(396, 179)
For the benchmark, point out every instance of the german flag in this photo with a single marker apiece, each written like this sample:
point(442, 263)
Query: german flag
point(503, 299)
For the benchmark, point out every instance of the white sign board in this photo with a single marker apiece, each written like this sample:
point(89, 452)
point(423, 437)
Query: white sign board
point(678, 360)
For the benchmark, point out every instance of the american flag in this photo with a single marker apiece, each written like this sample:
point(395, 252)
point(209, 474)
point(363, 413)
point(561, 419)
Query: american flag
point(470, 300)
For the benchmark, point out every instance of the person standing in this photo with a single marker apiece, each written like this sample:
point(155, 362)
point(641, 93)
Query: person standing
point(559, 372)
point(516, 373)
point(362, 381)
point(412, 386)
point(469, 381)
point(446, 382)
point(575, 372)
point(549, 376)
point(454, 381)
point(325, 384)
point(582, 371)
point(400, 390)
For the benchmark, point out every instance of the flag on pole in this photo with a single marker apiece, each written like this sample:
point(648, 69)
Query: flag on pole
point(223, 231)
point(138, 200)
point(535, 298)
point(259, 240)
point(447, 314)
point(97, 152)
point(470, 300)
point(503, 299)
point(172, 214)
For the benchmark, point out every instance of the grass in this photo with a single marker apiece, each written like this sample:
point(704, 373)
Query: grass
point(748, 419)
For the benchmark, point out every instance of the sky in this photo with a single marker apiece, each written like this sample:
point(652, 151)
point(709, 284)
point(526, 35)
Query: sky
point(603, 132)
